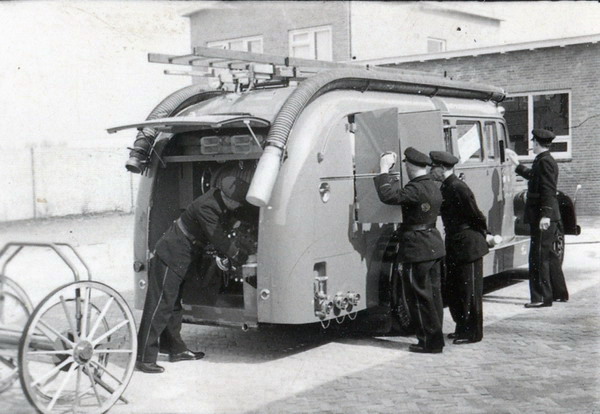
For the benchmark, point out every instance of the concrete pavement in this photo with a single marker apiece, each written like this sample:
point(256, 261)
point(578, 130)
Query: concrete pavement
point(539, 361)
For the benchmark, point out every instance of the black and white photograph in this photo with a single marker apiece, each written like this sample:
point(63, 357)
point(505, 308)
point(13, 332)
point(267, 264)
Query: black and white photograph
point(293, 207)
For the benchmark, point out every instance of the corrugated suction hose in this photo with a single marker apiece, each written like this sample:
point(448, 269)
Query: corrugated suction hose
point(171, 105)
point(263, 182)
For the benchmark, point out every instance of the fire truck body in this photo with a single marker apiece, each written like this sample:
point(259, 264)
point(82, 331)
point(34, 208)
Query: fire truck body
point(324, 242)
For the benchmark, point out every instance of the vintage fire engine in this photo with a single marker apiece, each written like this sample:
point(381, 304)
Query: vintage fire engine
point(309, 134)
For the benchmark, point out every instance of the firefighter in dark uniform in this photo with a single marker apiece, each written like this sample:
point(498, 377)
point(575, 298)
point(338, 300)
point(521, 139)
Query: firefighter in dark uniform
point(421, 247)
point(201, 224)
point(466, 230)
point(546, 278)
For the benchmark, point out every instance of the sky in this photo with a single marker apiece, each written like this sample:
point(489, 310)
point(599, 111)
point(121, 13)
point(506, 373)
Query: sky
point(72, 69)
point(536, 20)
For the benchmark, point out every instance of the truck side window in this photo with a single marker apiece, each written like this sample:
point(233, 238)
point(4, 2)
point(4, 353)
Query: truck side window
point(469, 141)
point(490, 139)
point(502, 140)
point(503, 134)
point(448, 136)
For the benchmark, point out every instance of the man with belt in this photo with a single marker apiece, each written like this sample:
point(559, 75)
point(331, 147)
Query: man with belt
point(421, 247)
point(546, 278)
point(199, 225)
point(466, 230)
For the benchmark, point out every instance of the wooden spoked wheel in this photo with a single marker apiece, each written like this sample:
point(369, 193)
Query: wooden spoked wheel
point(77, 352)
point(15, 309)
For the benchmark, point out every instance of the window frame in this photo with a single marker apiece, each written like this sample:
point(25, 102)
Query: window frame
point(568, 139)
point(312, 43)
point(440, 41)
point(482, 159)
point(226, 43)
point(491, 143)
point(502, 131)
point(448, 138)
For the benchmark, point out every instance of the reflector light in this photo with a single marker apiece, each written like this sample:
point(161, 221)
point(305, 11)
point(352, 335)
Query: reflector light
point(235, 144)
point(241, 144)
point(210, 145)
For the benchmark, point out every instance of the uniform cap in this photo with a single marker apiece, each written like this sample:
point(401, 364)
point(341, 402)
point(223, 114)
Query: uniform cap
point(234, 188)
point(416, 157)
point(443, 158)
point(543, 135)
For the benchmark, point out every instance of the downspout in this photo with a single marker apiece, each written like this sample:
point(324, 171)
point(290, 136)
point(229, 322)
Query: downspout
point(269, 164)
point(139, 155)
point(349, 4)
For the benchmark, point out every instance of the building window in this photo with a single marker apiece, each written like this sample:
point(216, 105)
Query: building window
point(548, 110)
point(245, 44)
point(435, 45)
point(311, 43)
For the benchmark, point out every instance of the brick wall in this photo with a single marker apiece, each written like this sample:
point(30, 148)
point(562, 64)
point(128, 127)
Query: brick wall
point(273, 20)
point(574, 68)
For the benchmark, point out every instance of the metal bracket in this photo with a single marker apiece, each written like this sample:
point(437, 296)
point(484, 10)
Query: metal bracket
point(57, 247)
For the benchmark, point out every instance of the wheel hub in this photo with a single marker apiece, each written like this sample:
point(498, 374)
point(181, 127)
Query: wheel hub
point(83, 352)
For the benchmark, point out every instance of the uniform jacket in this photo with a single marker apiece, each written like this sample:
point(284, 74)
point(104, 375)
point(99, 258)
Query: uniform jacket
point(464, 223)
point(204, 219)
point(541, 188)
point(420, 200)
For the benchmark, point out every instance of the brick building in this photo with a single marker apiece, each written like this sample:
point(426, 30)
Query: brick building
point(551, 84)
point(342, 30)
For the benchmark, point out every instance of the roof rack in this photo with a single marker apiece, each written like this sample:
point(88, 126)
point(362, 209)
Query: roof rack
point(248, 70)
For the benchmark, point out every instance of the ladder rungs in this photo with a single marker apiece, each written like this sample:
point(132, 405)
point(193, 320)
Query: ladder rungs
point(238, 55)
point(244, 68)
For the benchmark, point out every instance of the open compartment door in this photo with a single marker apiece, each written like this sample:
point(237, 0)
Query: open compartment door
point(178, 124)
point(387, 130)
point(423, 131)
point(376, 132)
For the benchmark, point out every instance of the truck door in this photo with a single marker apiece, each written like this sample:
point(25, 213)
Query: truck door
point(387, 130)
point(472, 167)
point(423, 131)
point(495, 172)
point(376, 132)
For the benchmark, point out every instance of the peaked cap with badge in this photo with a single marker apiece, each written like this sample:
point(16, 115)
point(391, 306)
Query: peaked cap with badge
point(234, 188)
point(443, 158)
point(543, 136)
point(416, 157)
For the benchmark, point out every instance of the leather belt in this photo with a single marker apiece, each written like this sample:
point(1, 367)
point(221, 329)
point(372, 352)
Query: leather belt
point(457, 228)
point(185, 231)
point(416, 227)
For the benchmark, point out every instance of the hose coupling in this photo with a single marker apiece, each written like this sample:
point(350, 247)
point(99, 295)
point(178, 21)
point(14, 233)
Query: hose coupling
point(341, 301)
point(353, 298)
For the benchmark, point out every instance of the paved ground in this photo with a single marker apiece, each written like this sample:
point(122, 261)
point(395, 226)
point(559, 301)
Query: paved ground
point(537, 361)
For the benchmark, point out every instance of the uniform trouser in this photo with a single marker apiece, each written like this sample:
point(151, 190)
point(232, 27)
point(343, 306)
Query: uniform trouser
point(546, 278)
point(161, 317)
point(464, 294)
point(421, 286)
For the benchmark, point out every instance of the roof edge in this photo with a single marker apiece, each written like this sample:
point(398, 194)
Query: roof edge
point(453, 9)
point(488, 50)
